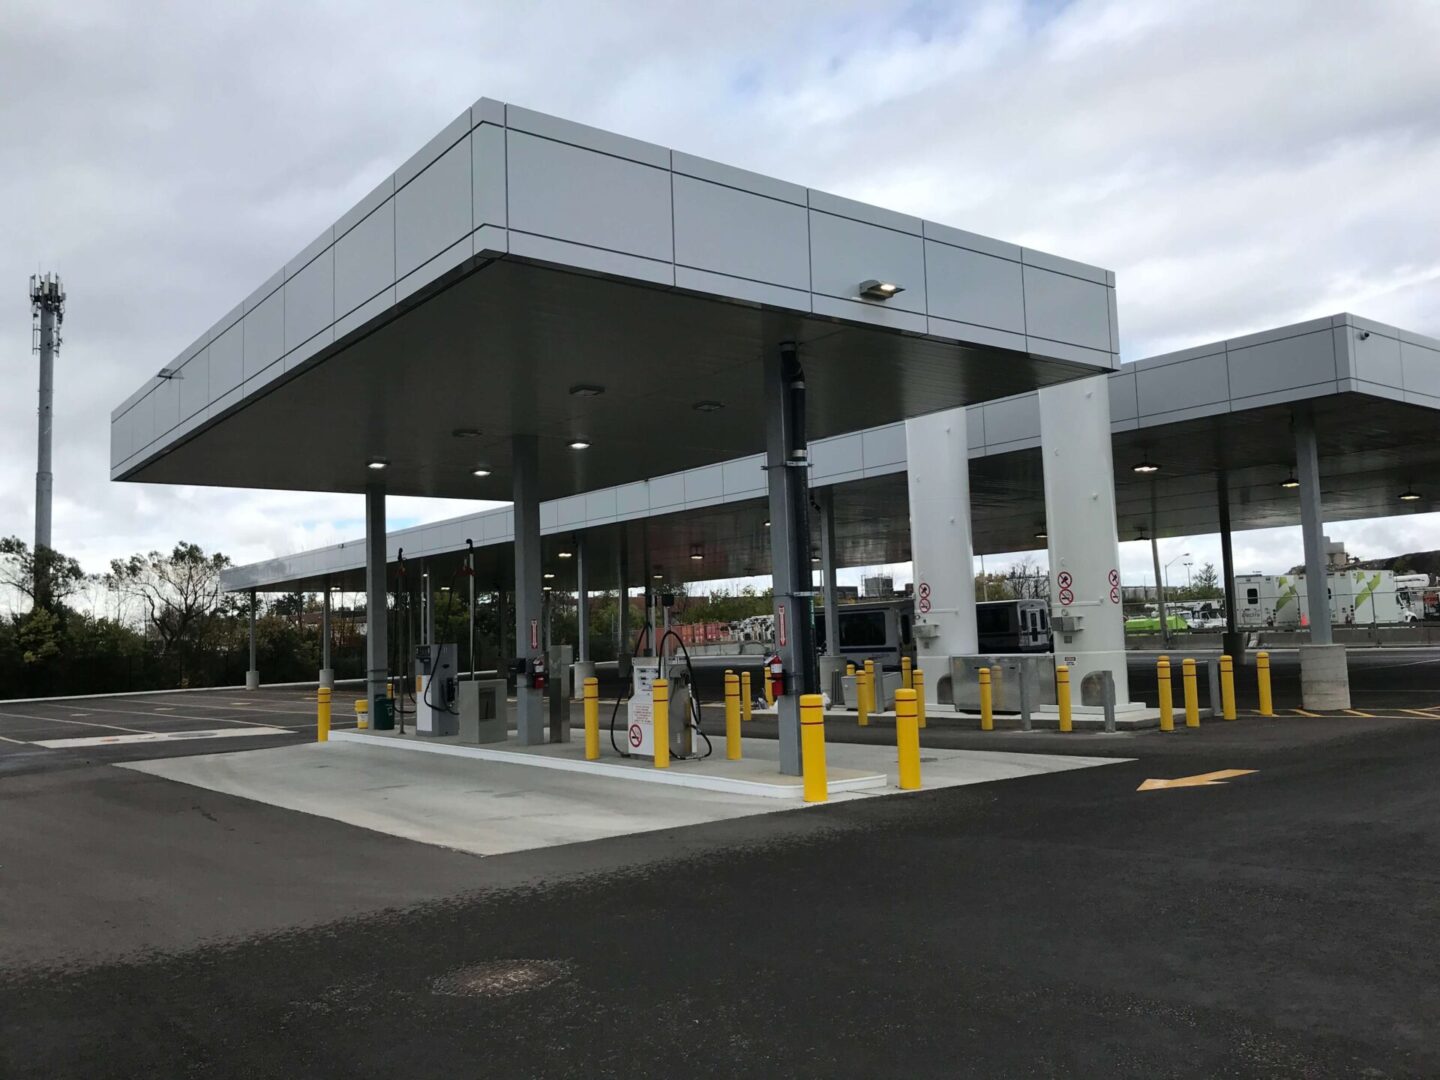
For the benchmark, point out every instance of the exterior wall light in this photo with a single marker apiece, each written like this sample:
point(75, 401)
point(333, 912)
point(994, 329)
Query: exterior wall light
point(1290, 482)
point(586, 390)
point(1042, 536)
point(376, 463)
point(579, 444)
point(1147, 467)
point(1409, 495)
point(481, 472)
point(879, 290)
point(767, 524)
point(696, 552)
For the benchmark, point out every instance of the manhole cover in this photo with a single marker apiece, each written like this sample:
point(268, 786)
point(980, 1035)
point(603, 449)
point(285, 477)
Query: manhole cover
point(500, 978)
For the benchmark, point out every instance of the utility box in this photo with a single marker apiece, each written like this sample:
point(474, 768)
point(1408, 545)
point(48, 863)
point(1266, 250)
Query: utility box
point(483, 711)
point(1007, 672)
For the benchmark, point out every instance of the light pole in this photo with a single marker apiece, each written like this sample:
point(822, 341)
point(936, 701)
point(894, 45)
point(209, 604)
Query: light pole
point(1172, 562)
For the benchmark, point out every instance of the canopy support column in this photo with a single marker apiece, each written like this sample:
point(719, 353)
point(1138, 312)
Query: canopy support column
point(252, 674)
point(327, 673)
point(788, 464)
point(1234, 641)
point(530, 719)
point(377, 642)
point(832, 664)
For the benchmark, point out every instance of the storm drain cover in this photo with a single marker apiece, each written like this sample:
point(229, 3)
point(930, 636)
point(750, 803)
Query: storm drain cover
point(500, 978)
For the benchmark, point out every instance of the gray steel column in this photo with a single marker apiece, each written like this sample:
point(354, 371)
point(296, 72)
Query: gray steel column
point(470, 566)
point(252, 674)
point(582, 602)
point(1159, 587)
point(325, 628)
point(530, 720)
point(1312, 528)
point(827, 572)
point(427, 605)
point(377, 644)
point(788, 464)
point(622, 615)
point(1234, 641)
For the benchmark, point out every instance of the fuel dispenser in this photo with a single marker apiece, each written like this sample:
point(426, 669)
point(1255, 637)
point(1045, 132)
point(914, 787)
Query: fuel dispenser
point(437, 710)
point(640, 720)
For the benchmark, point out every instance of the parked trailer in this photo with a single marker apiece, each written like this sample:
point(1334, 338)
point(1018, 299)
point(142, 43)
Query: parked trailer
point(1357, 598)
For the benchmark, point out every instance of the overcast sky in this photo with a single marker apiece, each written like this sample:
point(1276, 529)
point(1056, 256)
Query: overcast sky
point(1239, 166)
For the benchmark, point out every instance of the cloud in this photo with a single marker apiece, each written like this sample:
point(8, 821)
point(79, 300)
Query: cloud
point(1239, 166)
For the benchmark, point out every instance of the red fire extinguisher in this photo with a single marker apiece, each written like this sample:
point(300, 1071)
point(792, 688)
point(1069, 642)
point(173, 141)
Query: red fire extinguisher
point(776, 674)
point(537, 673)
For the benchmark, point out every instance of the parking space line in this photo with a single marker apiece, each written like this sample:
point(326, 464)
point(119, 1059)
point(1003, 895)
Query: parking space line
point(17, 742)
point(181, 716)
point(1421, 713)
point(1302, 712)
point(62, 720)
point(1357, 712)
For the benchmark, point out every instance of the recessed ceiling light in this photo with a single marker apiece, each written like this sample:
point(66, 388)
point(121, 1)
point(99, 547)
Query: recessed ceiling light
point(658, 577)
point(586, 390)
point(549, 576)
point(879, 290)
point(566, 554)
point(480, 472)
point(1409, 495)
point(444, 588)
point(1147, 467)
point(376, 463)
point(767, 524)
point(1042, 536)
point(697, 557)
point(579, 444)
point(466, 433)
point(1290, 482)
point(708, 406)
point(814, 558)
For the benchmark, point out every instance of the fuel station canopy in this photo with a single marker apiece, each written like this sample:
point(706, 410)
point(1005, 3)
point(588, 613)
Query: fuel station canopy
point(523, 275)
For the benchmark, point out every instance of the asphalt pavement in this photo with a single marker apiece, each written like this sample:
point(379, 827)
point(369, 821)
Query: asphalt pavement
point(1280, 922)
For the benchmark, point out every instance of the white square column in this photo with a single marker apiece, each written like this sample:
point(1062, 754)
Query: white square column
point(938, 455)
point(1085, 601)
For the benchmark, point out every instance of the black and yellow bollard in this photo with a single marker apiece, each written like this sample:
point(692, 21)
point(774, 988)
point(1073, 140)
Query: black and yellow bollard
point(907, 668)
point(322, 715)
point(1167, 695)
point(592, 719)
point(1262, 678)
point(907, 739)
point(746, 701)
point(732, 716)
point(987, 713)
point(660, 691)
point(812, 748)
point(862, 699)
point(917, 679)
point(362, 715)
point(1227, 688)
point(876, 704)
point(1062, 696)
point(1192, 693)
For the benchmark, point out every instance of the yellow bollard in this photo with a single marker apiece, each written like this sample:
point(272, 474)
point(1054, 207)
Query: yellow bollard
point(875, 705)
point(1062, 696)
point(1262, 676)
point(1192, 694)
point(906, 678)
point(987, 715)
point(390, 689)
point(849, 669)
point(862, 699)
point(1167, 696)
point(732, 716)
point(918, 679)
point(745, 698)
point(362, 715)
point(907, 739)
point(661, 719)
point(592, 719)
point(1227, 688)
point(322, 715)
point(769, 689)
point(812, 747)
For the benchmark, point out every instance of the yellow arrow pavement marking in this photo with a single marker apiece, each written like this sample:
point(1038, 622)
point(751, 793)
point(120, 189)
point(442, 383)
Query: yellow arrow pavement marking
point(1200, 780)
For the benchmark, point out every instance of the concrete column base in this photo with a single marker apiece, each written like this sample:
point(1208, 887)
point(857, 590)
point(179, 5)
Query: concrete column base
point(1324, 678)
point(252, 680)
point(579, 672)
point(327, 678)
point(1233, 645)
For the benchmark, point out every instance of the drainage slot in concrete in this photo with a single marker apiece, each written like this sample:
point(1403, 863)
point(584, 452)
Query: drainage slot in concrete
point(500, 978)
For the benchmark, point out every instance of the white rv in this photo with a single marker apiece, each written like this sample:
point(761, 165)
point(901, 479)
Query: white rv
point(1266, 602)
point(1357, 598)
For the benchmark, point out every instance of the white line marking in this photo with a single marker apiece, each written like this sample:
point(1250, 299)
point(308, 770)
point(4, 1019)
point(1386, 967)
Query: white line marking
point(18, 742)
point(139, 718)
point(60, 720)
point(157, 736)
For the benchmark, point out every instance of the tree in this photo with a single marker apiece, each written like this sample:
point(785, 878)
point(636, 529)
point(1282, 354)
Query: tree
point(1206, 584)
point(182, 599)
point(44, 575)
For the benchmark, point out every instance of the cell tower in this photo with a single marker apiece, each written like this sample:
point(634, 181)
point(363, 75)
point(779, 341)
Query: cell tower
point(47, 307)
